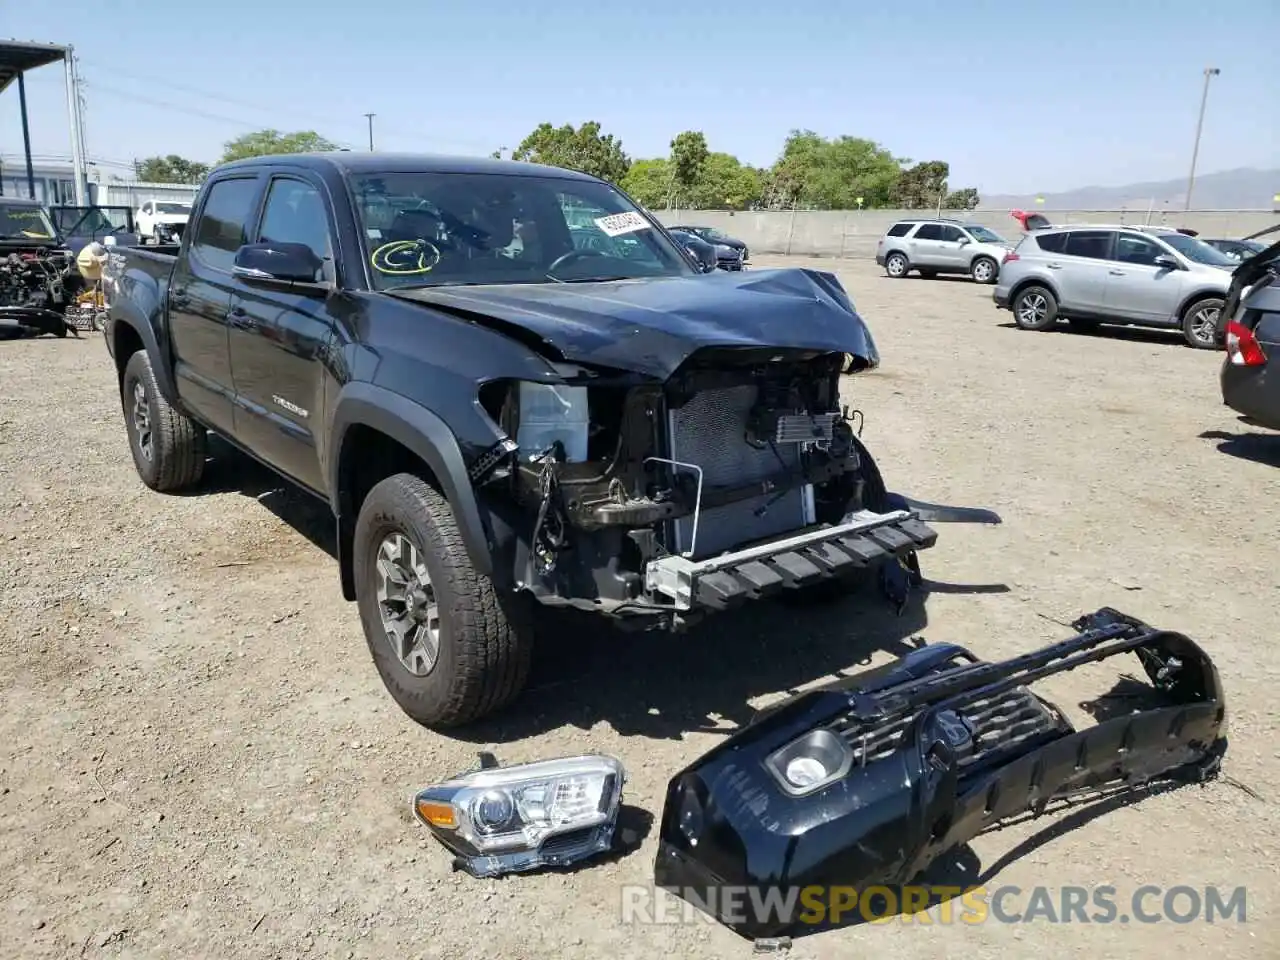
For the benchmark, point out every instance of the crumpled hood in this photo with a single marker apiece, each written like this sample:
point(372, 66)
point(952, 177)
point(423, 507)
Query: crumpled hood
point(651, 326)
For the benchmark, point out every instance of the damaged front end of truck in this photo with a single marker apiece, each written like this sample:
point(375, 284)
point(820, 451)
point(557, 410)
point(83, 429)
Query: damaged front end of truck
point(693, 454)
point(865, 783)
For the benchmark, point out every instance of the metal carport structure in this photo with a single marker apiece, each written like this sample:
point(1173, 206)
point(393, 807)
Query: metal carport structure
point(17, 57)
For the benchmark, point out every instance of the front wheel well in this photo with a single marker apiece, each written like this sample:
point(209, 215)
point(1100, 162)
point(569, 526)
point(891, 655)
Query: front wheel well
point(367, 457)
point(125, 342)
point(1195, 298)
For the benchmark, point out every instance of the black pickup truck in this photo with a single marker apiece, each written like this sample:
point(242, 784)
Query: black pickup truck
point(501, 415)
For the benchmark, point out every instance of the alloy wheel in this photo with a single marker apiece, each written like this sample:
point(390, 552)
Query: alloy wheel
point(407, 605)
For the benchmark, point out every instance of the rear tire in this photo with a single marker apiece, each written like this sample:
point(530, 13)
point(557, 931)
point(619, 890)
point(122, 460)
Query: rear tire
point(449, 648)
point(1200, 323)
point(1035, 308)
point(984, 270)
point(169, 449)
point(896, 265)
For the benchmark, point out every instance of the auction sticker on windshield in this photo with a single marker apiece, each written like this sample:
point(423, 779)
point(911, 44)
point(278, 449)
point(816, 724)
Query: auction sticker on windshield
point(617, 224)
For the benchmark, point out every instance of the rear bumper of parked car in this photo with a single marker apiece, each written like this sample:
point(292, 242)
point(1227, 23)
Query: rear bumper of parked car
point(1252, 392)
point(1000, 296)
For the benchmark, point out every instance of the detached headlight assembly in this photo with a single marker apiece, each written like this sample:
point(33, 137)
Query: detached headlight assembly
point(500, 820)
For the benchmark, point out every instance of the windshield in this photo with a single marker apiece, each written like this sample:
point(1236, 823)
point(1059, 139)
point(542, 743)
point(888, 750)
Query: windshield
point(983, 235)
point(19, 222)
point(712, 233)
point(436, 229)
point(172, 208)
point(90, 221)
point(1197, 250)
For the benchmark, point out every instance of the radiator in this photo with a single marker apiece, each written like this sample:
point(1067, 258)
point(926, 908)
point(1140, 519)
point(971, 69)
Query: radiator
point(710, 431)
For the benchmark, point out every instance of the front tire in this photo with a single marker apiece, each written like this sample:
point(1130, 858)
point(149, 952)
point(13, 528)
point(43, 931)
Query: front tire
point(169, 449)
point(448, 647)
point(896, 266)
point(1200, 323)
point(1035, 308)
point(984, 270)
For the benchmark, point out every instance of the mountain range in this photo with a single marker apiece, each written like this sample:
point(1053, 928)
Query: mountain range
point(1243, 189)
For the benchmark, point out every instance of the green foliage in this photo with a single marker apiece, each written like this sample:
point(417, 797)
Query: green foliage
point(583, 149)
point(688, 155)
point(264, 142)
point(170, 169)
point(966, 199)
point(815, 172)
point(920, 187)
point(649, 182)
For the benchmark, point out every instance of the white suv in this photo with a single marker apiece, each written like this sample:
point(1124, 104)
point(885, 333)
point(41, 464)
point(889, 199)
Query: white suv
point(932, 246)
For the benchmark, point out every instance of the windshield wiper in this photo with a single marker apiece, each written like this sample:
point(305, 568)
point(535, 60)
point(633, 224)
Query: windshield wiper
point(589, 279)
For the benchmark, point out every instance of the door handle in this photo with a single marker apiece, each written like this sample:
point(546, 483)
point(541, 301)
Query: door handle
point(1054, 266)
point(1116, 273)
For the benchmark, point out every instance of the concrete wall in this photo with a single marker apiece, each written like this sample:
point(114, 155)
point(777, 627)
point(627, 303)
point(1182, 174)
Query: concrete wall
point(853, 233)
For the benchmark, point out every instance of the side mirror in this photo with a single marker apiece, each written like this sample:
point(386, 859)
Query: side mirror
point(963, 241)
point(1166, 262)
point(277, 262)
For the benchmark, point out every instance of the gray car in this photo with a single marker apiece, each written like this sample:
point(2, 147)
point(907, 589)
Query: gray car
point(1140, 276)
point(934, 245)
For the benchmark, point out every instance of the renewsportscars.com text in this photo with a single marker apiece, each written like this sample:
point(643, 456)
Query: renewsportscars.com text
point(1180, 904)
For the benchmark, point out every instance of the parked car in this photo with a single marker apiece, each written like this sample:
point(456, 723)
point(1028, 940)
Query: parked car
point(1238, 250)
point(38, 277)
point(1129, 275)
point(931, 246)
point(713, 235)
point(496, 432)
point(701, 251)
point(80, 226)
point(1250, 375)
point(162, 221)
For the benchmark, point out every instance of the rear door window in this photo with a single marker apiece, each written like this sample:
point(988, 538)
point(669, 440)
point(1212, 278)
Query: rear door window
point(1051, 242)
point(1090, 244)
point(224, 222)
point(929, 231)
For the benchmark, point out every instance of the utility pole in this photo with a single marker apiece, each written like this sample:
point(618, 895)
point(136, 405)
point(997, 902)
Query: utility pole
point(77, 126)
point(1209, 73)
point(369, 117)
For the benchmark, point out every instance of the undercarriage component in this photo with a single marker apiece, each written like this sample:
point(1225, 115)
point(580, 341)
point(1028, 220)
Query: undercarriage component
point(718, 582)
point(866, 782)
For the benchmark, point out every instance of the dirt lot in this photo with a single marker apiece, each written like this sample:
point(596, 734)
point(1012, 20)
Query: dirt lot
point(198, 759)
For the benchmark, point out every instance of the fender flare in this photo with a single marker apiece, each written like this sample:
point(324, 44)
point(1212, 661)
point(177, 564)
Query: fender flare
point(123, 315)
point(430, 439)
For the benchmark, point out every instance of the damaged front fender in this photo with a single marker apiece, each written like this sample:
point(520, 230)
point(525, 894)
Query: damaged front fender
point(866, 783)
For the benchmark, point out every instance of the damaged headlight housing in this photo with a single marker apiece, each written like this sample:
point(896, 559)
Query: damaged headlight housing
point(506, 819)
point(551, 412)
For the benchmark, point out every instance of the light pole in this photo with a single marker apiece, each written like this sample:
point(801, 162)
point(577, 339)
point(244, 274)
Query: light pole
point(370, 117)
point(1209, 73)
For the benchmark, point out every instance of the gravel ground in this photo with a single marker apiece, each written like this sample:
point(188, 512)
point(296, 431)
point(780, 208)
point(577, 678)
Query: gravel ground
point(197, 757)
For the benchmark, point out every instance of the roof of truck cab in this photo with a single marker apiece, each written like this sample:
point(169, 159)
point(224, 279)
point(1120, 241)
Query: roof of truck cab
point(365, 163)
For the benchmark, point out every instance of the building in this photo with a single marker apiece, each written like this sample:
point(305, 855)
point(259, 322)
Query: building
point(110, 183)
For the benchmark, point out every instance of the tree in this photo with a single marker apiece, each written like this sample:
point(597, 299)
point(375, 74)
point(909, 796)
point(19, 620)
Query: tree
point(264, 142)
point(583, 149)
point(966, 199)
point(724, 183)
point(813, 171)
point(921, 186)
point(648, 182)
point(170, 169)
point(688, 154)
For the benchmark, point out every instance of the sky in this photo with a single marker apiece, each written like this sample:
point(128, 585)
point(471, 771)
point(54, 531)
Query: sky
point(1019, 97)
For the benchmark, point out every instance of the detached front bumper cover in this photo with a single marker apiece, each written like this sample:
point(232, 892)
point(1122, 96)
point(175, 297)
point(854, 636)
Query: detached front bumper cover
point(550, 813)
point(865, 783)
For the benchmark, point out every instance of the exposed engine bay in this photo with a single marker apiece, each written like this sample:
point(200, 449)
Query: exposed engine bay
point(638, 490)
point(37, 285)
